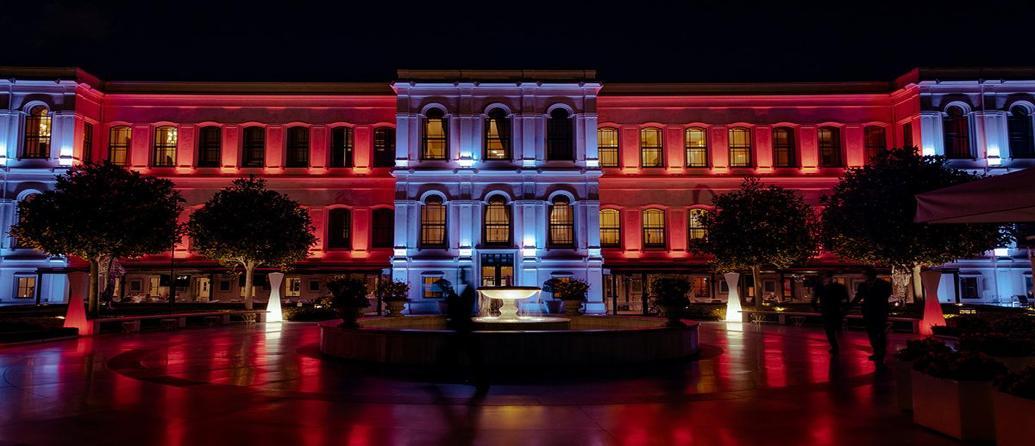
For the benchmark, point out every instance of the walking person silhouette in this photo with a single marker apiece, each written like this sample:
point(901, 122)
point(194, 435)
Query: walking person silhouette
point(874, 294)
point(830, 299)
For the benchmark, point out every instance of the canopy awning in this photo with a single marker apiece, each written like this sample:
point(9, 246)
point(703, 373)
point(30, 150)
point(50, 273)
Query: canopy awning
point(1008, 198)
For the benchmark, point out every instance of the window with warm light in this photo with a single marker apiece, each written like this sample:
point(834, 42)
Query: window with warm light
point(383, 228)
point(1019, 126)
point(651, 147)
point(956, 133)
point(874, 141)
point(210, 146)
point(653, 228)
point(434, 145)
point(297, 147)
point(430, 287)
point(163, 150)
point(562, 223)
point(695, 141)
point(740, 147)
point(496, 230)
point(829, 147)
point(25, 287)
point(341, 147)
point(559, 136)
point(339, 229)
point(433, 223)
point(497, 135)
point(253, 147)
point(118, 145)
point(695, 225)
point(783, 147)
point(607, 146)
point(610, 228)
point(384, 147)
point(36, 142)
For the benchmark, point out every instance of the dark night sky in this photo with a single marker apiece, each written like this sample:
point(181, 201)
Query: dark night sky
point(635, 41)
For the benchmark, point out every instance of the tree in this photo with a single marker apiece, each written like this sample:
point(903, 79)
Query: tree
point(757, 226)
point(248, 225)
point(98, 212)
point(869, 215)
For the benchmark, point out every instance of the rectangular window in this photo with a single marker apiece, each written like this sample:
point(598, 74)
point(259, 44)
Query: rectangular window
point(702, 287)
point(562, 224)
point(224, 285)
point(37, 133)
point(297, 147)
point(293, 288)
point(383, 228)
point(830, 147)
point(314, 285)
point(384, 147)
point(610, 228)
point(253, 147)
point(875, 141)
point(652, 148)
point(783, 147)
point(341, 147)
point(653, 229)
point(740, 147)
point(118, 145)
point(435, 145)
point(433, 223)
point(209, 146)
point(695, 141)
point(969, 288)
point(430, 287)
point(26, 287)
point(87, 142)
point(164, 150)
point(607, 147)
point(907, 135)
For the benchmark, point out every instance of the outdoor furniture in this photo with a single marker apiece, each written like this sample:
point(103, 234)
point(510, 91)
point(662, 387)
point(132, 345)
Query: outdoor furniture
point(131, 324)
point(169, 324)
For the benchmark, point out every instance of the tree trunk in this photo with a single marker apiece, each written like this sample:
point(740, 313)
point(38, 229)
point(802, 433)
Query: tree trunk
point(249, 275)
point(918, 286)
point(756, 278)
point(91, 293)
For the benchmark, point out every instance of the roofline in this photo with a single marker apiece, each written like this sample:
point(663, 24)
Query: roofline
point(404, 75)
point(745, 88)
point(249, 88)
point(50, 73)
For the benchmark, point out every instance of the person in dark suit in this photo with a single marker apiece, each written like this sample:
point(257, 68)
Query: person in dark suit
point(874, 294)
point(830, 299)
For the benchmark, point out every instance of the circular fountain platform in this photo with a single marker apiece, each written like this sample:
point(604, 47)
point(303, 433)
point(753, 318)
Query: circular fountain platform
point(585, 341)
point(490, 323)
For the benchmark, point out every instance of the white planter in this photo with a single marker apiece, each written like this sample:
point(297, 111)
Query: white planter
point(933, 316)
point(1013, 420)
point(395, 307)
point(273, 311)
point(733, 310)
point(960, 409)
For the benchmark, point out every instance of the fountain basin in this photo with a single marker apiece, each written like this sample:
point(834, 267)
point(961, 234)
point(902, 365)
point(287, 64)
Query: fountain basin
point(509, 295)
point(490, 323)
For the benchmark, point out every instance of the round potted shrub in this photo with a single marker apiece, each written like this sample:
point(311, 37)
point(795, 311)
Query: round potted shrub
point(1014, 406)
point(952, 394)
point(394, 294)
point(349, 298)
point(903, 366)
point(571, 291)
point(670, 295)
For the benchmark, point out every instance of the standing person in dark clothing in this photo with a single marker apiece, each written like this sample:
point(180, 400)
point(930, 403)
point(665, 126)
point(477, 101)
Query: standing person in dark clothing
point(464, 343)
point(874, 294)
point(830, 299)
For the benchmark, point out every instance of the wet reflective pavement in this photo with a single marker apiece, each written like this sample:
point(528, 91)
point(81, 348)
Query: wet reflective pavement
point(267, 385)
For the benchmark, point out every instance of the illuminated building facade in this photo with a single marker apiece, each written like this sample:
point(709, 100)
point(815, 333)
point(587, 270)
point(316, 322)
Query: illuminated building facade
point(500, 177)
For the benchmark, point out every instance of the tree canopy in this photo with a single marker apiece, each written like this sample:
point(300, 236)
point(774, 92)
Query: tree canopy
point(869, 214)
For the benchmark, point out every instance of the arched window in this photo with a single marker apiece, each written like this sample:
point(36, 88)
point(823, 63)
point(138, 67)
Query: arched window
point(829, 147)
point(339, 229)
point(695, 141)
point(562, 223)
point(695, 225)
point(433, 223)
point(253, 147)
point(435, 146)
point(607, 146)
point(497, 135)
point(297, 147)
point(610, 228)
point(956, 133)
point(874, 141)
point(384, 147)
point(37, 133)
point(163, 151)
point(653, 228)
point(740, 147)
point(559, 141)
point(210, 146)
point(651, 147)
point(783, 147)
point(383, 228)
point(1019, 126)
point(341, 147)
point(118, 144)
point(496, 230)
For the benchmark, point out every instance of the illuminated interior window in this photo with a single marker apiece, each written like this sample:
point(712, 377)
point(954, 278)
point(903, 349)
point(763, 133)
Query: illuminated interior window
point(297, 147)
point(430, 287)
point(651, 147)
point(1019, 126)
point(339, 229)
point(118, 144)
point(695, 225)
point(210, 146)
point(254, 147)
point(956, 133)
point(607, 146)
point(341, 147)
point(497, 222)
point(37, 133)
point(559, 142)
point(433, 223)
point(383, 228)
point(435, 146)
point(163, 153)
point(740, 147)
point(702, 286)
point(497, 135)
point(783, 147)
point(695, 140)
point(874, 141)
point(562, 224)
point(610, 228)
point(25, 287)
point(653, 228)
point(829, 147)
point(384, 147)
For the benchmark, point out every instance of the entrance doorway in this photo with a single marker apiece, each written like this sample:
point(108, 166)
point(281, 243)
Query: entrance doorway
point(497, 270)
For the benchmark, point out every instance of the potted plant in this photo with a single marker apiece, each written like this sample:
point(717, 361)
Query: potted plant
point(394, 294)
point(1014, 405)
point(348, 297)
point(670, 295)
point(952, 394)
point(570, 291)
point(903, 366)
